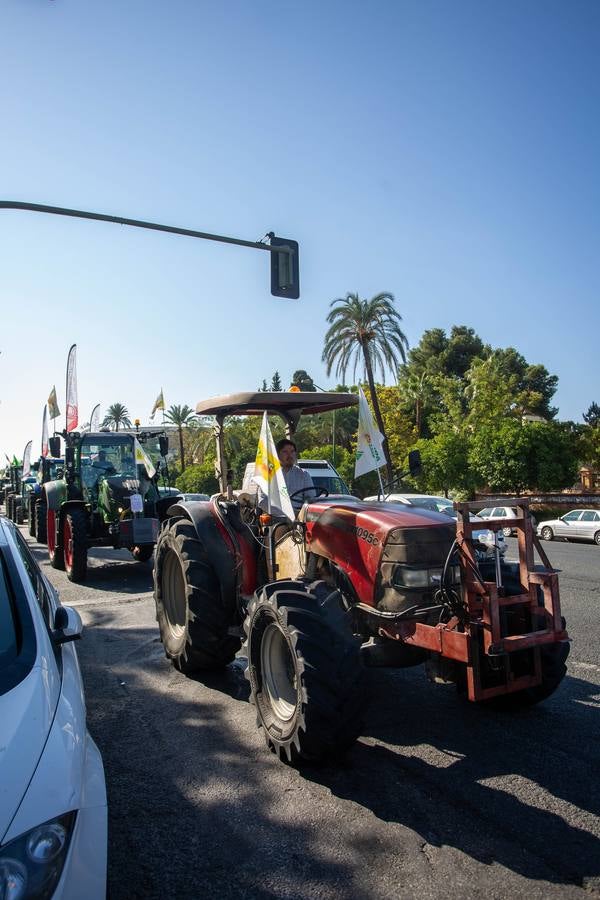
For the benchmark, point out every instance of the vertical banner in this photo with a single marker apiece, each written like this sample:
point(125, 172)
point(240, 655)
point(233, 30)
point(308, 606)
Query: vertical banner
point(72, 407)
point(45, 449)
point(27, 459)
point(95, 418)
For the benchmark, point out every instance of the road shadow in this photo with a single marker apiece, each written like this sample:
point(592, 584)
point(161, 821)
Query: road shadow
point(488, 782)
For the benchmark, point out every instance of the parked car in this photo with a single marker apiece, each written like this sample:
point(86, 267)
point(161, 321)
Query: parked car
point(500, 512)
point(187, 497)
point(445, 506)
point(53, 816)
point(577, 525)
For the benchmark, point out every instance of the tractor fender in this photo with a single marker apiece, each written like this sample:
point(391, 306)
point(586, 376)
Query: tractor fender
point(56, 494)
point(219, 543)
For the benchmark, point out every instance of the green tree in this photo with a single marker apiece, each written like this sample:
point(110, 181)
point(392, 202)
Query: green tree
point(592, 416)
point(367, 335)
point(446, 469)
point(276, 382)
point(199, 478)
point(181, 416)
point(117, 416)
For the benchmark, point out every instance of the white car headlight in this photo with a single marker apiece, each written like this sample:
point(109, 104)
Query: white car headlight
point(31, 865)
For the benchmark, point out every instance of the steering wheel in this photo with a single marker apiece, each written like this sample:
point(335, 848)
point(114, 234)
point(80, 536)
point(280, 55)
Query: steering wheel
point(318, 492)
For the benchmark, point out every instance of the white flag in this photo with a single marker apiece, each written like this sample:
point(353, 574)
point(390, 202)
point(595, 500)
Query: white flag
point(72, 406)
point(142, 459)
point(268, 474)
point(369, 446)
point(95, 418)
point(45, 449)
point(27, 459)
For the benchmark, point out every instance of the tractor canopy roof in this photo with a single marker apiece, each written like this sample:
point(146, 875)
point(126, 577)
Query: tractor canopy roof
point(290, 405)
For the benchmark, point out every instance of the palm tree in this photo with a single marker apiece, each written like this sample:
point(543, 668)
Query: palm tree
point(180, 416)
point(366, 333)
point(117, 414)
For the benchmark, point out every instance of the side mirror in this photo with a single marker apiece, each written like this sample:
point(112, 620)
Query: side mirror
point(67, 625)
point(414, 463)
point(285, 270)
point(163, 443)
point(54, 444)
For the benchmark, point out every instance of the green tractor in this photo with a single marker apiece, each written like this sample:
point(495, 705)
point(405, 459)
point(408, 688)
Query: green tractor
point(20, 502)
point(107, 497)
point(12, 489)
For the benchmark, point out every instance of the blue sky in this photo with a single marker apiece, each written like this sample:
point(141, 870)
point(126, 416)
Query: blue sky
point(446, 152)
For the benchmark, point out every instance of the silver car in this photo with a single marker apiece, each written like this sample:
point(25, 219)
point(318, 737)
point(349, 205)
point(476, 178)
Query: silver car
point(577, 525)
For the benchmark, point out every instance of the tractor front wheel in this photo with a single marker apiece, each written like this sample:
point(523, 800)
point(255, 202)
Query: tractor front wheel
point(19, 515)
point(191, 617)
point(142, 553)
point(75, 545)
point(55, 554)
point(305, 671)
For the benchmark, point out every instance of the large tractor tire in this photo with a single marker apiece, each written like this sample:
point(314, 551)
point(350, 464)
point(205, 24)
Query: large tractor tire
point(553, 658)
point(142, 553)
point(305, 671)
point(40, 522)
point(192, 618)
point(55, 554)
point(31, 517)
point(19, 514)
point(75, 545)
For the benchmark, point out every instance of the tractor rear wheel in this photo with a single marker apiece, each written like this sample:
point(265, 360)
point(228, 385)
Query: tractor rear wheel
point(142, 553)
point(192, 619)
point(19, 518)
point(55, 554)
point(75, 545)
point(31, 517)
point(305, 671)
point(40, 522)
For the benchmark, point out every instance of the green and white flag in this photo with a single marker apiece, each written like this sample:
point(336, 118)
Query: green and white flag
point(369, 446)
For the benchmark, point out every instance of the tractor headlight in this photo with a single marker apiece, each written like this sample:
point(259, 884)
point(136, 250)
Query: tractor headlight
point(31, 865)
point(412, 577)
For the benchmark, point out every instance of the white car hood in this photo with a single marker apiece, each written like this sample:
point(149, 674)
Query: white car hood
point(26, 715)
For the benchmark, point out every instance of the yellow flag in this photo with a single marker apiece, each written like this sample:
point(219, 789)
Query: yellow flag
point(268, 474)
point(159, 403)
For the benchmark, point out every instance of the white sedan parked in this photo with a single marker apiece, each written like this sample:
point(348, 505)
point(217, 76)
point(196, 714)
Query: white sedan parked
point(577, 525)
point(53, 816)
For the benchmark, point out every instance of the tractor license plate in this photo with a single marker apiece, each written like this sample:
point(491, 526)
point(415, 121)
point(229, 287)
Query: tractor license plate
point(137, 503)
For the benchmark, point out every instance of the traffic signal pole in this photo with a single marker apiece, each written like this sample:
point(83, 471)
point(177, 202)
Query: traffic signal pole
point(284, 254)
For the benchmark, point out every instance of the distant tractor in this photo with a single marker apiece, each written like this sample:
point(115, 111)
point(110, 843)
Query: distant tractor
point(48, 468)
point(348, 583)
point(107, 497)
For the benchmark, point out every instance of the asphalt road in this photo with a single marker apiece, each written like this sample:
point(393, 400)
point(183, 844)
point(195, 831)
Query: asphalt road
point(439, 798)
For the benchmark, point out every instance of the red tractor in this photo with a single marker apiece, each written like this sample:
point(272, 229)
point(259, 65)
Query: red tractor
point(349, 583)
